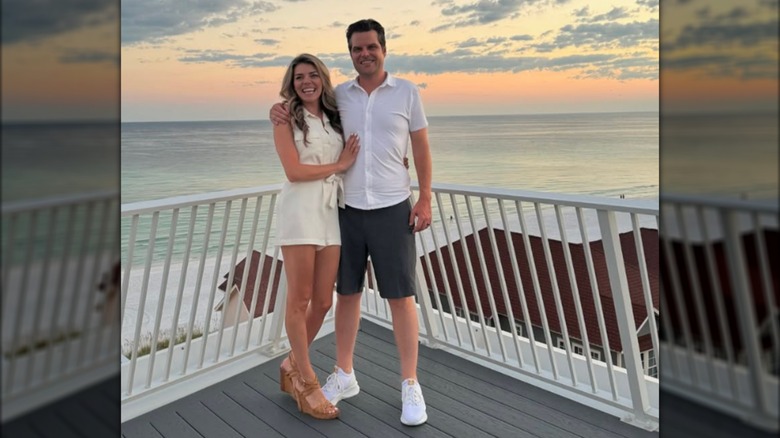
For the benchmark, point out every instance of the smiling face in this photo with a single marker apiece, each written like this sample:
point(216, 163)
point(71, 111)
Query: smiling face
point(307, 83)
point(368, 56)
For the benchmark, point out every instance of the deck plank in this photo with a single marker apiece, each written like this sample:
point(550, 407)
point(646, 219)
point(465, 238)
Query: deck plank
point(464, 399)
point(90, 412)
point(545, 406)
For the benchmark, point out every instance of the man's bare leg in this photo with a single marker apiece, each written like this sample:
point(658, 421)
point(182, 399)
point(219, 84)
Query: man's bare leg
point(347, 324)
point(406, 332)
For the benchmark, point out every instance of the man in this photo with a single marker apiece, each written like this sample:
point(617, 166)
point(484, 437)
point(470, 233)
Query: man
point(379, 220)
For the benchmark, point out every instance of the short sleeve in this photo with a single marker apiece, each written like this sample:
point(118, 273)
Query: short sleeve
point(417, 118)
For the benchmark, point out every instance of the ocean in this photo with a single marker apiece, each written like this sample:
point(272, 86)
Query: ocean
point(596, 154)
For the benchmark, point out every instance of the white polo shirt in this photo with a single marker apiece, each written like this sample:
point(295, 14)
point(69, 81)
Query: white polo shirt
point(383, 120)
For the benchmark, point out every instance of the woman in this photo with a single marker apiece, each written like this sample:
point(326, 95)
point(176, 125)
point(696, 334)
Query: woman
point(313, 153)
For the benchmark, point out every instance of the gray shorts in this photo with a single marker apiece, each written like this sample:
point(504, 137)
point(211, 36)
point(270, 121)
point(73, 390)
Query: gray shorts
point(385, 235)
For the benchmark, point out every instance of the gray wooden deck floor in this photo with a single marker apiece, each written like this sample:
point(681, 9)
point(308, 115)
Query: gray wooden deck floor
point(464, 400)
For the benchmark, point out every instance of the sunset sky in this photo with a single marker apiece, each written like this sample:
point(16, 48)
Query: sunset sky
point(224, 59)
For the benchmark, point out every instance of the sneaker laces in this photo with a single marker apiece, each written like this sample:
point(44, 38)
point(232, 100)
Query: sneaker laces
point(333, 383)
point(412, 395)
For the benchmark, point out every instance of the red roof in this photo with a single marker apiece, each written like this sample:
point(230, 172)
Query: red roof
point(722, 281)
point(649, 243)
point(252, 277)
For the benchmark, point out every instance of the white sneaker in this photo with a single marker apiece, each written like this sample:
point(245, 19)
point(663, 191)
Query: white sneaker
point(340, 386)
point(413, 412)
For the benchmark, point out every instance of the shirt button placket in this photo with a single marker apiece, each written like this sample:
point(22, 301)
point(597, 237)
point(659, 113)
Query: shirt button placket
point(369, 146)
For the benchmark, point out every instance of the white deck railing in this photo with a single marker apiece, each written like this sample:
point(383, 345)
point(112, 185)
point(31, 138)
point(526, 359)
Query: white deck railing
point(178, 250)
point(547, 227)
point(722, 277)
point(58, 333)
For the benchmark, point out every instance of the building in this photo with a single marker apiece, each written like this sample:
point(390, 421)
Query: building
point(551, 279)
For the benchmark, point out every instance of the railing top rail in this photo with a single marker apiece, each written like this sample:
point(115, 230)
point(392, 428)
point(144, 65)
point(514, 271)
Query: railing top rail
point(751, 205)
point(640, 206)
point(57, 201)
point(197, 199)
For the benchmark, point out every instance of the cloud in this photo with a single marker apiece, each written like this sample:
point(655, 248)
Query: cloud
point(422, 85)
point(473, 42)
point(32, 20)
point(524, 37)
point(722, 65)
point(735, 14)
point(156, 20)
point(614, 14)
point(603, 35)
point(484, 11)
point(243, 61)
point(458, 60)
point(267, 41)
point(584, 12)
point(740, 42)
point(715, 34)
point(649, 4)
point(76, 56)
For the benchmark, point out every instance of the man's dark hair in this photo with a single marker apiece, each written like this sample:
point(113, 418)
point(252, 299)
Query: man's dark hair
point(366, 26)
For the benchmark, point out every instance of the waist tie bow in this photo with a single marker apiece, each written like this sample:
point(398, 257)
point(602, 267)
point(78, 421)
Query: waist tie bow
point(334, 191)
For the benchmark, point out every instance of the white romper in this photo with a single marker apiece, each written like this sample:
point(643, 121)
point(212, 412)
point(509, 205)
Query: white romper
point(308, 210)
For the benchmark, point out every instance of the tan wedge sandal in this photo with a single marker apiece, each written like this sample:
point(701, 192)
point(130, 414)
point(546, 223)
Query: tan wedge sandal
point(311, 400)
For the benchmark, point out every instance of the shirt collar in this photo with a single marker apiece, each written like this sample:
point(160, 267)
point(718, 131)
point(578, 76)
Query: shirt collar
point(390, 81)
point(307, 114)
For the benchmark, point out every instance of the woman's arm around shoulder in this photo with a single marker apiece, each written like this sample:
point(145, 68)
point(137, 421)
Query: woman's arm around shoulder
point(298, 172)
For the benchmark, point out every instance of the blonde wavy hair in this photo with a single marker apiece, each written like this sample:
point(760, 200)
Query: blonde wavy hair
point(327, 98)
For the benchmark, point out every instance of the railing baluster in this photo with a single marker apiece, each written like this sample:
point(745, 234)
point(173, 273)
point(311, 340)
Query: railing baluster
point(110, 346)
point(625, 317)
point(8, 259)
point(213, 289)
point(161, 300)
point(198, 284)
point(717, 294)
point(504, 288)
point(680, 305)
point(266, 240)
point(96, 274)
point(70, 330)
point(529, 254)
point(142, 303)
point(746, 316)
point(575, 298)
point(269, 293)
point(578, 302)
point(542, 310)
point(180, 292)
point(229, 285)
point(643, 275)
point(501, 283)
point(469, 273)
point(766, 282)
point(434, 287)
point(470, 270)
point(261, 268)
point(39, 298)
point(698, 302)
point(594, 286)
point(443, 270)
point(18, 316)
point(245, 276)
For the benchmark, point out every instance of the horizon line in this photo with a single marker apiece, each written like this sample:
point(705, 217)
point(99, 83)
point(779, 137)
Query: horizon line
point(428, 116)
